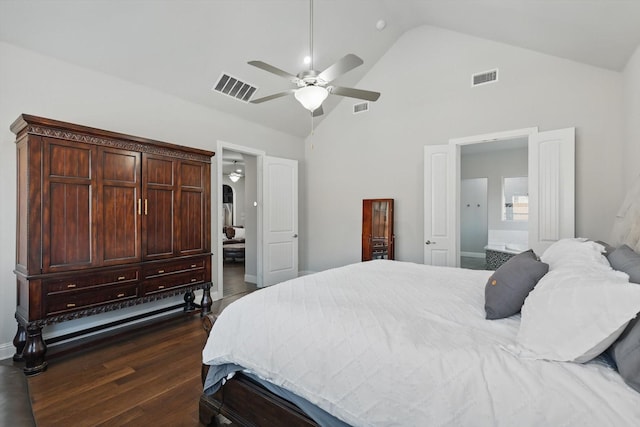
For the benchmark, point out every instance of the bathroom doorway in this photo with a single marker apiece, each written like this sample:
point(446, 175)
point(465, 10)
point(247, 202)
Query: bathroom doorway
point(491, 177)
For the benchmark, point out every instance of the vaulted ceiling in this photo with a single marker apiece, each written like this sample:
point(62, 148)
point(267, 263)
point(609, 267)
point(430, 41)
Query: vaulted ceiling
point(182, 47)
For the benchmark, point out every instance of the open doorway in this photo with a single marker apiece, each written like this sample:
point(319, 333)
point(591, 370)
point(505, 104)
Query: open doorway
point(493, 202)
point(238, 219)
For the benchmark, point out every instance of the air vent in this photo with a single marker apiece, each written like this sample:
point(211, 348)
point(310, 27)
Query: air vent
point(484, 78)
point(360, 108)
point(235, 88)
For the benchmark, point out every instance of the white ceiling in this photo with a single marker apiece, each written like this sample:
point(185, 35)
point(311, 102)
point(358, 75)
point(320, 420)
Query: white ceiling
point(181, 47)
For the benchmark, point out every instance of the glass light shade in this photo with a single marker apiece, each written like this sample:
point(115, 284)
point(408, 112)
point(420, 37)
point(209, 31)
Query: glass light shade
point(311, 97)
point(234, 177)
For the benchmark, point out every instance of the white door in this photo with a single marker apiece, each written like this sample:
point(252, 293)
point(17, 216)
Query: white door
point(439, 200)
point(551, 187)
point(280, 220)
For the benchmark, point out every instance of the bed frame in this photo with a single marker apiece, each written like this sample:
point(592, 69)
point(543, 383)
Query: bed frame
point(242, 400)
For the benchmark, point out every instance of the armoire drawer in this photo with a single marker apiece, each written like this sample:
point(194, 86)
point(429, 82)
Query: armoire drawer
point(163, 283)
point(159, 269)
point(71, 301)
point(80, 282)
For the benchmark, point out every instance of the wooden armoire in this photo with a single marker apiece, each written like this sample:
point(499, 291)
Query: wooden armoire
point(104, 221)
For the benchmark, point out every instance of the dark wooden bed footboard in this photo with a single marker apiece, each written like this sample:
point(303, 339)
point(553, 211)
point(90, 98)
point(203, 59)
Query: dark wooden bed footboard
point(241, 399)
point(247, 403)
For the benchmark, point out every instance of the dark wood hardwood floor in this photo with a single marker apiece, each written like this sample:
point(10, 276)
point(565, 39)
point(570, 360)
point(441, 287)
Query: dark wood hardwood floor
point(233, 279)
point(149, 376)
point(146, 377)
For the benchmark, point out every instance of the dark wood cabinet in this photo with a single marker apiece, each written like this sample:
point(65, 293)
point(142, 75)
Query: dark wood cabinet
point(377, 229)
point(104, 221)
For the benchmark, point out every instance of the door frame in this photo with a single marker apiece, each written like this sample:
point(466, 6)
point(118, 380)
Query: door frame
point(217, 224)
point(456, 145)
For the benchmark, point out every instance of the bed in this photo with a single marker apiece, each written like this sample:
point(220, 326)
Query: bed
point(233, 243)
point(396, 343)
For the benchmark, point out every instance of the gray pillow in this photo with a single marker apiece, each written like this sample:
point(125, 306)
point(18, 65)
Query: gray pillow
point(626, 353)
point(625, 259)
point(508, 287)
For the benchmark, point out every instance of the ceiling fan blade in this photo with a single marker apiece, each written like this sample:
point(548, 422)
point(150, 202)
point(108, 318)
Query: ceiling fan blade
point(318, 112)
point(355, 93)
point(274, 96)
point(275, 70)
point(344, 64)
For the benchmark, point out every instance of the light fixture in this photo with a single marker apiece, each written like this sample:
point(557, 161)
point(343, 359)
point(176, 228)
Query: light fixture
point(311, 97)
point(234, 176)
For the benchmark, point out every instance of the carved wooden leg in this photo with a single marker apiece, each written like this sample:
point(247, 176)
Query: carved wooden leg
point(189, 297)
point(19, 342)
point(34, 351)
point(206, 302)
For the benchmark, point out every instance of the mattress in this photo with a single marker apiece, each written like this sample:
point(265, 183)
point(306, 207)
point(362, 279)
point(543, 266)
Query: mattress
point(395, 343)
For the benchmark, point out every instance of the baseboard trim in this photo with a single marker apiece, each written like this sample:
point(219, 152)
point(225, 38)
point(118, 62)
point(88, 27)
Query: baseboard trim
point(250, 278)
point(473, 254)
point(7, 350)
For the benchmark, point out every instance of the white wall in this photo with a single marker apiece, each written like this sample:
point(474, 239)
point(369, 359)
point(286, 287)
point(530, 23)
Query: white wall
point(427, 99)
point(39, 85)
point(632, 119)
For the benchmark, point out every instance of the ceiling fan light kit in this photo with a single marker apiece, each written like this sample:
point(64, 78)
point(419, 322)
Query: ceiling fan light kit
point(313, 87)
point(311, 97)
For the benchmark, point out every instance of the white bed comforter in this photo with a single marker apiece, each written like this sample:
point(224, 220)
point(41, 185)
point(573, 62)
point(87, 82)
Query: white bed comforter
point(388, 343)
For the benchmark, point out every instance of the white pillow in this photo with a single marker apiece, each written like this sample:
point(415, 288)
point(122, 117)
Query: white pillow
point(240, 233)
point(575, 312)
point(574, 253)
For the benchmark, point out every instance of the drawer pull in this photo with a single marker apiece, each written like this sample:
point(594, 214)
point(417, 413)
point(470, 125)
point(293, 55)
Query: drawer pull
point(71, 285)
point(160, 271)
point(194, 265)
point(121, 277)
point(71, 305)
point(120, 295)
point(194, 280)
point(161, 287)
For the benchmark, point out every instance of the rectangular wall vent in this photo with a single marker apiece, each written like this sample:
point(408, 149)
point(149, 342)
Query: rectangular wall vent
point(484, 77)
point(233, 87)
point(361, 107)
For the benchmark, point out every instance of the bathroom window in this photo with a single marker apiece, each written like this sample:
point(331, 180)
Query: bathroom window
point(515, 199)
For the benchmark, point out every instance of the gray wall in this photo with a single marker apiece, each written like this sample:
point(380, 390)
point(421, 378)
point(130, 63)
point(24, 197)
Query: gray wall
point(427, 99)
point(632, 119)
point(36, 84)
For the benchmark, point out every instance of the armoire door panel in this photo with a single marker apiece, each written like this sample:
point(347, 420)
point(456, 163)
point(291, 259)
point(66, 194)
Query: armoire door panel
point(192, 207)
point(70, 224)
point(120, 199)
point(70, 162)
point(120, 230)
point(191, 175)
point(159, 220)
point(159, 191)
point(159, 171)
point(69, 192)
point(191, 221)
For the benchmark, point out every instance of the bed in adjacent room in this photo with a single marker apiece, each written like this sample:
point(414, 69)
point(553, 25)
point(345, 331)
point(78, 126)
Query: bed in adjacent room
point(396, 343)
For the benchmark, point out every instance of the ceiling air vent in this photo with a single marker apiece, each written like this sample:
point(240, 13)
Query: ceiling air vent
point(484, 77)
point(360, 107)
point(235, 88)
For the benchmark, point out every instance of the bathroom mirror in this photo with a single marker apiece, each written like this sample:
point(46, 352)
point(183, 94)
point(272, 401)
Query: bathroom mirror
point(515, 198)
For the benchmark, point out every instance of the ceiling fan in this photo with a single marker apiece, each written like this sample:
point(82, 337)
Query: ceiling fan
point(313, 87)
